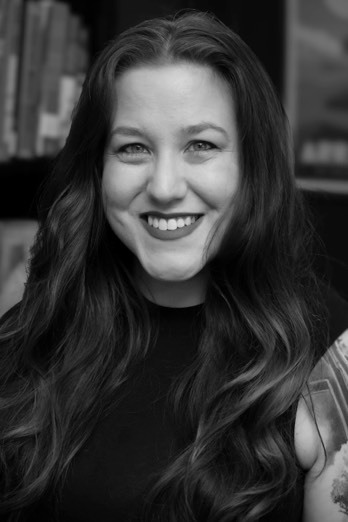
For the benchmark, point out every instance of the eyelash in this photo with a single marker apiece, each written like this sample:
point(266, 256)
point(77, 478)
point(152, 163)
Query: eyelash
point(207, 147)
point(123, 149)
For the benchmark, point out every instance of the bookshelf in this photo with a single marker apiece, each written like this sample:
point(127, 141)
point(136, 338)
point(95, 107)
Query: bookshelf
point(45, 49)
point(44, 54)
point(327, 177)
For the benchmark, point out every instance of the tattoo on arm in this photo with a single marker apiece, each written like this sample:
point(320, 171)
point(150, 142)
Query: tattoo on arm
point(329, 392)
point(339, 493)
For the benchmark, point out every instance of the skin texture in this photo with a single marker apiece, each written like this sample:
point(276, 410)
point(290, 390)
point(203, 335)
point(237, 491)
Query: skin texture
point(164, 155)
point(326, 486)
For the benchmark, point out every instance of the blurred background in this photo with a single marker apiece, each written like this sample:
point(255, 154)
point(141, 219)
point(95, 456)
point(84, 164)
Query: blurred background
point(46, 47)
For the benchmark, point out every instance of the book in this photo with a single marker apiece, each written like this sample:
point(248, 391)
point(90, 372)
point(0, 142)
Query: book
point(27, 79)
point(35, 34)
point(11, 73)
point(47, 142)
point(4, 14)
point(69, 84)
point(76, 61)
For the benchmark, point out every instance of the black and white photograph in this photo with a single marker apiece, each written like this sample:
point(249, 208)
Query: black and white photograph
point(173, 261)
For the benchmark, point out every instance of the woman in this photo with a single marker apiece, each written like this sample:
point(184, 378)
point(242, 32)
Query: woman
point(171, 320)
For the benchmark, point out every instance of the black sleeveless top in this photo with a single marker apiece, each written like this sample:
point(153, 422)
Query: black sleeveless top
point(110, 477)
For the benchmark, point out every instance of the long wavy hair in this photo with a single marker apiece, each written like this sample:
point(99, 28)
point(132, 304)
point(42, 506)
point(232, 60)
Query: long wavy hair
point(70, 343)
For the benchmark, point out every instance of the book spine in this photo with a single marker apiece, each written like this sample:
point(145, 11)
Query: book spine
point(4, 13)
point(78, 67)
point(9, 125)
point(48, 141)
point(68, 80)
point(27, 80)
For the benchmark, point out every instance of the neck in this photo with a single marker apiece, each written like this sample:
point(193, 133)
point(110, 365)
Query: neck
point(173, 294)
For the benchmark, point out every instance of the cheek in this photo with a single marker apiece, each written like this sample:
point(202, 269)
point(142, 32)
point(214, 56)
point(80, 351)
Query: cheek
point(116, 201)
point(219, 191)
point(117, 192)
point(218, 187)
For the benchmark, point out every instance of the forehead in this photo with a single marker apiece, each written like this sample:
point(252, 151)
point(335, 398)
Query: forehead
point(172, 92)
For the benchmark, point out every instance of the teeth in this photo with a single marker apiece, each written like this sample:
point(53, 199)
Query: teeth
point(163, 224)
point(170, 224)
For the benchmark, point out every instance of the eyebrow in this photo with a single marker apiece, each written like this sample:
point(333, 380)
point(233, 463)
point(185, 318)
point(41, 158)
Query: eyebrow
point(190, 130)
point(204, 125)
point(127, 131)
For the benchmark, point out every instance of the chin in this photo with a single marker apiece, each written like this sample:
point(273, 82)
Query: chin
point(172, 274)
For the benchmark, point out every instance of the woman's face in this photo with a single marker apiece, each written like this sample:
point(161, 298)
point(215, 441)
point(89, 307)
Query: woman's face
point(171, 166)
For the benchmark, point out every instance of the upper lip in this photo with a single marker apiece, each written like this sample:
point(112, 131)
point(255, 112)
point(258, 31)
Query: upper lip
point(174, 215)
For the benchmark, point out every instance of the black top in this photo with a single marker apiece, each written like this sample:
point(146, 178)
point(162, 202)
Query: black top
point(110, 476)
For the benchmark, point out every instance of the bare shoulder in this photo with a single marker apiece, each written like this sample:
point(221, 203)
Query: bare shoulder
point(321, 440)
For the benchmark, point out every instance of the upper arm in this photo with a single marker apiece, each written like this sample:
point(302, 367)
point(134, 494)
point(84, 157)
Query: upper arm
point(326, 484)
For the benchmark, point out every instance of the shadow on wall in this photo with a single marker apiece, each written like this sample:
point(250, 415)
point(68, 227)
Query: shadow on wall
point(16, 238)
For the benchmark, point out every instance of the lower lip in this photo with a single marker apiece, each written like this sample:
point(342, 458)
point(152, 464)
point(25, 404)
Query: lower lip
point(168, 235)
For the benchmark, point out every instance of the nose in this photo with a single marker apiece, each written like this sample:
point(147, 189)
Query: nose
point(166, 182)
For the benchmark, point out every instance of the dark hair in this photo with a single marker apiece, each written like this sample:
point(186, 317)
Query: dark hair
point(262, 313)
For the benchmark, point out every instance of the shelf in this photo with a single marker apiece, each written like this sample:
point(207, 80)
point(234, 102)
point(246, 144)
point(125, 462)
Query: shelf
point(332, 186)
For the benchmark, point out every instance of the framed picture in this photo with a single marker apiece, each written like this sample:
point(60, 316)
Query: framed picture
point(316, 94)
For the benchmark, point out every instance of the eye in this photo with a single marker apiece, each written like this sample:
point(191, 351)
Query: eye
point(201, 146)
point(132, 149)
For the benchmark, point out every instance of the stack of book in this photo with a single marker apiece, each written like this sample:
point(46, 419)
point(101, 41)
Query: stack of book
point(43, 61)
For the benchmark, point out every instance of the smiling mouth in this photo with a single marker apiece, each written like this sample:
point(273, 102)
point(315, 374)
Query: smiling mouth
point(171, 223)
